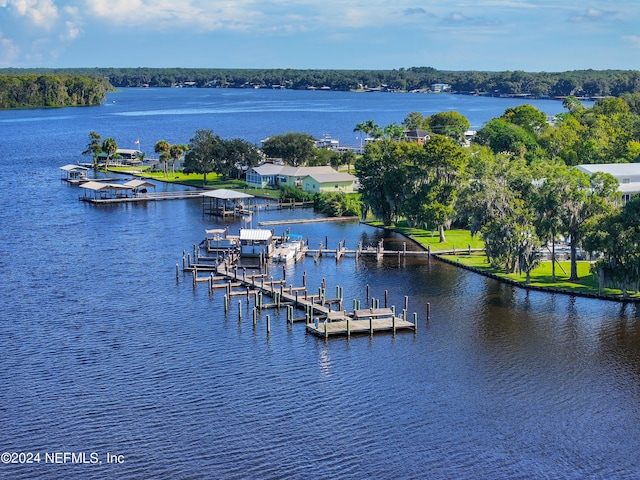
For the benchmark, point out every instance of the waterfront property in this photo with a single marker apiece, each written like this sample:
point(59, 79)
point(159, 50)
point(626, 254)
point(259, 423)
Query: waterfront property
point(271, 175)
point(329, 182)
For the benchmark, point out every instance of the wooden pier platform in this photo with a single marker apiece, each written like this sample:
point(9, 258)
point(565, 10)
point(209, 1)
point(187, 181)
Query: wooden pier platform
point(348, 326)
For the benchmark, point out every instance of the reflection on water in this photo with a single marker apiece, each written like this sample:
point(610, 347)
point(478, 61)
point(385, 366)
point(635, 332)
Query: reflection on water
point(103, 351)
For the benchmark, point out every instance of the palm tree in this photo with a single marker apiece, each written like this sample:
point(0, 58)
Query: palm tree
point(110, 147)
point(176, 152)
point(162, 148)
point(368, 127)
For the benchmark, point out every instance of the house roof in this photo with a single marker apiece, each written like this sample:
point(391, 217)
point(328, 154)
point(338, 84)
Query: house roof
point(615, 169)
point(416, 133)
point(273, 169)
point(332, 177)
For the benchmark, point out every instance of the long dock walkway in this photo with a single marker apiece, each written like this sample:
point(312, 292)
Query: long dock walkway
point(323, 317)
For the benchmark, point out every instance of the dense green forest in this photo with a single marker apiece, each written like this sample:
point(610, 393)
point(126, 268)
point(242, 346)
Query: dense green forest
point(51, 90)
point(590, 83)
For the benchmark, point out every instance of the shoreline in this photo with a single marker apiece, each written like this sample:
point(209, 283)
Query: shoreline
point(438, 255)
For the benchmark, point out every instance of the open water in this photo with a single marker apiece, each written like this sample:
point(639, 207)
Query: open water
point(106, 357)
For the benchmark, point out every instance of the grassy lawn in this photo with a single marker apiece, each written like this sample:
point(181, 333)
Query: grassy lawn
point(540, 276)
point(456, 239)
point(195, 180)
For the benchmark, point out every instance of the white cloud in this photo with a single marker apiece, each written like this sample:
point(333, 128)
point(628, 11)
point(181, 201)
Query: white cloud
point(42, 13)
point(9, 52)
point(634, 40)
point(592, 15)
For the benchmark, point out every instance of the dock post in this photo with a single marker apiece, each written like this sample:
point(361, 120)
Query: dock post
point(226, 303)
point(247, 294)
point(393, 310)
point(195, 253)
point(348, 327)
point(255, 316)
point(393, 324)
point(367, 293)
point(404, 248)
point(371, 326)
point(304, 279)
point(326, 332)
point(277, 295)
point(210, 284)
point(184, 260)
point(284, 272)
point(195, 276)
point(296, 297)
point(386, 298)
point(415, 322)
point(404, 314)
point(189, 260)
point(268, 324)
point(244, 273)
point(406, 302)
point(239, 310)
point(260, 300)
point(177, 274)
point(428, 312)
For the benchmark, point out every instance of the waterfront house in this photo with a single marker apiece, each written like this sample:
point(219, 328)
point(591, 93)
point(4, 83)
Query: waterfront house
point(329, 182)
point(627, 174)
point(271, 175)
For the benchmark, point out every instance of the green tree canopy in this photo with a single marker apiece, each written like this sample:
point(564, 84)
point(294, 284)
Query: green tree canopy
point(293, 148)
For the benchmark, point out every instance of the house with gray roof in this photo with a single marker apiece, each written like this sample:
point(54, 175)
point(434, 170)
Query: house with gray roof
point(271, 175)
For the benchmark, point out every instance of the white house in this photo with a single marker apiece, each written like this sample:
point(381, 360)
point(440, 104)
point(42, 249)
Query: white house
point(627, 174)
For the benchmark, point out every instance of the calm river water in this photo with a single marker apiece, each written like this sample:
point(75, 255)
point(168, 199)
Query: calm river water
point(105, 356)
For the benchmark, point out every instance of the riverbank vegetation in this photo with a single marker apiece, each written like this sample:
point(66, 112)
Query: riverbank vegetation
point(517, 189)
point(590, 83)
point(51, 90)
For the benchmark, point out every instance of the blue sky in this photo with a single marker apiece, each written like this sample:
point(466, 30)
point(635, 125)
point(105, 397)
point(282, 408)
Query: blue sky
point(530, 35)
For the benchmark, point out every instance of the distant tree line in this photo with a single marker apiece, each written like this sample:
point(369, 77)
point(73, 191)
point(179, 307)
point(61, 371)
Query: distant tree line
point(51, 90)
point(591, 83)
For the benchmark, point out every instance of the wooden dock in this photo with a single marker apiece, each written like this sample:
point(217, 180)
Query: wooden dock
point(323, 317)
point(145, 197)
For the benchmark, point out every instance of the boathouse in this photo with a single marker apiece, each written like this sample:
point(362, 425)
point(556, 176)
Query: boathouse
point(74, 173)
point(225, 202)
point(256, 242)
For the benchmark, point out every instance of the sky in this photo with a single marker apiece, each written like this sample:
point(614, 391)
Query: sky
point(487, 35)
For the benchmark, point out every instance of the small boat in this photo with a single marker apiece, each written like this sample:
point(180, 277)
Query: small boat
point(290, 249)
